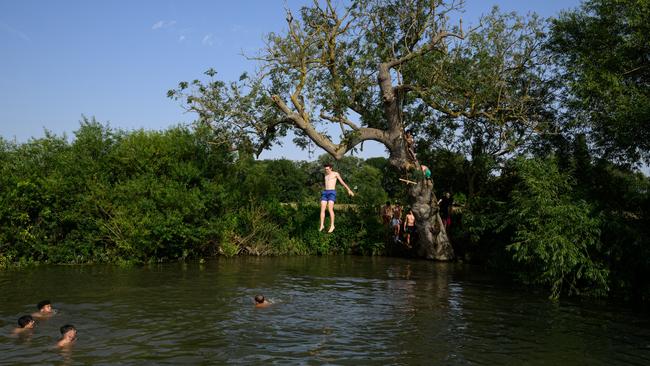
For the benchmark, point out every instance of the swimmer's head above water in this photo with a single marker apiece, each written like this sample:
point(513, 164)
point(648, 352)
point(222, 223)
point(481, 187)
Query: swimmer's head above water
point(44, 306)
point(26, 321)
point(260, 301)
point(68, 335)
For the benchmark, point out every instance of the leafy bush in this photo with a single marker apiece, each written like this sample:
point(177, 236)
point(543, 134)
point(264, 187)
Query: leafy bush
point(142, 196)
point(556, 238)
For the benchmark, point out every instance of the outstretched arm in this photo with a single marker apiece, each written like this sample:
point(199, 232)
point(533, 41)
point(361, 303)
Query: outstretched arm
point(338, 176)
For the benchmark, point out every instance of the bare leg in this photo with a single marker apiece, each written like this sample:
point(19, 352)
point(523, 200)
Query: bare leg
point(323, 206)
point(330, 207)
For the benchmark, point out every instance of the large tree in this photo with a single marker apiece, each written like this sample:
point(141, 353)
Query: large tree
point(374, 69)
point(603, 48)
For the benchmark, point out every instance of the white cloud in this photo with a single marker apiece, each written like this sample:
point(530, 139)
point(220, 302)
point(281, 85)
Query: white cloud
point(208, 40)
point(163, 24)
point(181, 38)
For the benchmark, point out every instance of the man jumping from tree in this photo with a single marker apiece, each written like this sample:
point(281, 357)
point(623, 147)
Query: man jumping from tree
point(328, 197)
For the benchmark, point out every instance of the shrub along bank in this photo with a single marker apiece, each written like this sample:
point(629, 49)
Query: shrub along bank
point(132, 197)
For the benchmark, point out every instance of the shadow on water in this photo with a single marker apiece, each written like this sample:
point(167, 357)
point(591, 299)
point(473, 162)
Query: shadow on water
point(327, 310)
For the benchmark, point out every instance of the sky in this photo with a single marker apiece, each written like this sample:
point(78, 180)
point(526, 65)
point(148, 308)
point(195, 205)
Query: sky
point(115, 60)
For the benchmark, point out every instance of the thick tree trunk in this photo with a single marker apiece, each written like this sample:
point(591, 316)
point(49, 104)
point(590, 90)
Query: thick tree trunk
point(432, 242)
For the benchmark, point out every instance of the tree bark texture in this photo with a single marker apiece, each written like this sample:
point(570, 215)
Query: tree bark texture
point(433, 242)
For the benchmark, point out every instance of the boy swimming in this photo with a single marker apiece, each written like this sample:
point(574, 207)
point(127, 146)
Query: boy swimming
point(25, 323)
point(68, 335)
point(261, 302)
point(44, 310)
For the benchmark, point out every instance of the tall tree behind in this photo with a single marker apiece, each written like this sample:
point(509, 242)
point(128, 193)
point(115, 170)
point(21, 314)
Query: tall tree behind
point(604, 50)
point(373, 69)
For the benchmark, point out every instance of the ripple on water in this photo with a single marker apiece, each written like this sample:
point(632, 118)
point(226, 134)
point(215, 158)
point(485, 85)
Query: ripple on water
point(334, 310)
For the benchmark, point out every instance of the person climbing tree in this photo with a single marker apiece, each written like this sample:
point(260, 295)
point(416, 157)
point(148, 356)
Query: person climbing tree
point(410, 145)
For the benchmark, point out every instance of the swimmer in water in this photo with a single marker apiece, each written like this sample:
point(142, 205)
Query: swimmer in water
point(261, 302)
point(25, 324)
point(68, 336)
point(44, 310)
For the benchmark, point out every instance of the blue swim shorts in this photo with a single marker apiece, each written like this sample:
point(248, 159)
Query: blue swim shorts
point(328, 195)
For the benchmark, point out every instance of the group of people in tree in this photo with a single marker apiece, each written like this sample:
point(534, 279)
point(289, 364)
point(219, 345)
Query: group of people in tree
point(391, 216)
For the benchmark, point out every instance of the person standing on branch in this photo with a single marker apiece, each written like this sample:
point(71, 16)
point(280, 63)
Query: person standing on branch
point(409, 227)
point(328, 197)
point(446, 204)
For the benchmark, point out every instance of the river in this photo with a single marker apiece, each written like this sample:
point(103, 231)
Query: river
point(338, 310)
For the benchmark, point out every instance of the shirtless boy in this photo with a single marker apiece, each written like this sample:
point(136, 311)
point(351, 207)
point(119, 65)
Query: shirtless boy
point(328, 197)
point(25, 323)
point(409, 227)
point(44, 310)
point(68, 335)
point(261, 301)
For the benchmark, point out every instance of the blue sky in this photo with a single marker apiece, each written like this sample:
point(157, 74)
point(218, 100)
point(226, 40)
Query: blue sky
point(115, 60)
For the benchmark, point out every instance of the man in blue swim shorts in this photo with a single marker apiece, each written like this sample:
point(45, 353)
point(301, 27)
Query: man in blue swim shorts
point(328, 197)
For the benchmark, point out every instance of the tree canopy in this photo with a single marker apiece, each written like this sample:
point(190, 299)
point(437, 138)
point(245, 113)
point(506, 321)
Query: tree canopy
point(603, 49)
point(375, 68)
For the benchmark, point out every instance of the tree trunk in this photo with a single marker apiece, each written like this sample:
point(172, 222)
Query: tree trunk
point(432, 240)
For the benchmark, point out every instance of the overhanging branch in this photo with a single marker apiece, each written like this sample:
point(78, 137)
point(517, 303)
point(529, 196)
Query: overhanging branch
point(359, 135)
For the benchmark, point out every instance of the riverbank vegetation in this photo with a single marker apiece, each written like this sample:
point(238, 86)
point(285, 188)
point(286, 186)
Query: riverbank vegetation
point(538, 131)
point(115, 196)
point(110, 196)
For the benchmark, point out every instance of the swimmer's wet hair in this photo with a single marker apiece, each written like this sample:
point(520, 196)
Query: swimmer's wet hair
point(42, 304)
point(24, 320)
point(259, 299)
point(66, 328)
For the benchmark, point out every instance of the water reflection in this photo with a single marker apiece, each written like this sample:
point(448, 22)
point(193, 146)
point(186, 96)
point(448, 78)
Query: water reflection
point(336, 310)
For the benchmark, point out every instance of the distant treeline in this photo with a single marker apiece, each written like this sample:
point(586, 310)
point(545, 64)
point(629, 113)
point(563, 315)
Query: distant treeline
point(110, 196)
point(118, 197)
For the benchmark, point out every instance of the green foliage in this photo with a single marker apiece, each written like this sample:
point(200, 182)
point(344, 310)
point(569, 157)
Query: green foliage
point(473, 106)
point(623, 198)
point(142, 196)
point(288, 180)
point(603, 50)
point(555, 238)
point(108, 196)
point(490, 95)
point(257, 231)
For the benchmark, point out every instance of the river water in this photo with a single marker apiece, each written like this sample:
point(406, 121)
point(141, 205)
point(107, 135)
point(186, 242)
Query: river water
point(326, 310)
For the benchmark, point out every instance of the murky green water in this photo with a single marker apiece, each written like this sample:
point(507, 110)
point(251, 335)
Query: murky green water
point(328, 310)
